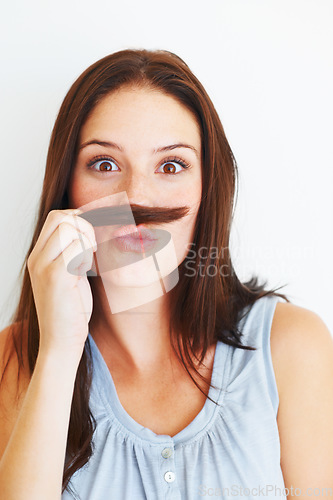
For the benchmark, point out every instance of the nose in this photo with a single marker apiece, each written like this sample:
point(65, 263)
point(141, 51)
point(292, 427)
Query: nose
point(138, 188)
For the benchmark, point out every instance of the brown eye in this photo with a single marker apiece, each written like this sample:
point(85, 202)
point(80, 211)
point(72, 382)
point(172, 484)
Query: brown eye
point(102, 165)
point(169, 168)
point(173, 166)
point(105, 166)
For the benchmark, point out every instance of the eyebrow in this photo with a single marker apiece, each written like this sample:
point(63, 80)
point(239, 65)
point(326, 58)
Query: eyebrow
point(156, 150)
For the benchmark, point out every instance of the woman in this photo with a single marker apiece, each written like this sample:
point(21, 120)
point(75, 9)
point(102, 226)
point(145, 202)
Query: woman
point(129, 391)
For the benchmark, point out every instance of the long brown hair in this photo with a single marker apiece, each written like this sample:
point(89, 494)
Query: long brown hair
point(206, 306)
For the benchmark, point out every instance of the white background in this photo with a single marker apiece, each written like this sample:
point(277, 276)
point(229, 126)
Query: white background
point(267, 65)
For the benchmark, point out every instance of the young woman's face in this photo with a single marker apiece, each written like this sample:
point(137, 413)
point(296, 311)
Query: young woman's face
point(137, 123)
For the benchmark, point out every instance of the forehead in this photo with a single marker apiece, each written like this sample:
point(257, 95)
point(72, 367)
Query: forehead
point(142, 114)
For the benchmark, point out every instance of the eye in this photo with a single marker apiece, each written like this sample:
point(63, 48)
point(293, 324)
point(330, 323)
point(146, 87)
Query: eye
point(103, 164)
point(170, 165)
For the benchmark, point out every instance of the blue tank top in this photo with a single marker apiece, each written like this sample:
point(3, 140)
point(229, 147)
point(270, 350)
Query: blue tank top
point(227, 451)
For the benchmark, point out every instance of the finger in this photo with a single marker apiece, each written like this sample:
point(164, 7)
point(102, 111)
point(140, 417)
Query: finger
point(74, 260)
point(53, 221)
point(61, 239)
point(82, 226)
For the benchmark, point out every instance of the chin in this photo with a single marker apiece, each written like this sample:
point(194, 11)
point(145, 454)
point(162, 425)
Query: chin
point(123, 277)
point(144, 274)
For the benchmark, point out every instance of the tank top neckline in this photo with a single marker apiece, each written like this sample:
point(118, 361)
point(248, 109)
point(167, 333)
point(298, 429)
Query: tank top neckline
point(195, 429)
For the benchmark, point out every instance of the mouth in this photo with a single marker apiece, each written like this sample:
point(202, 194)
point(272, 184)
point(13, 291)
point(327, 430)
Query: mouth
point(135, 232)
point(134, 238)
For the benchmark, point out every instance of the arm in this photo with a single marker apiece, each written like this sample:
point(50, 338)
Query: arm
point(33, 462)
point(302, 350)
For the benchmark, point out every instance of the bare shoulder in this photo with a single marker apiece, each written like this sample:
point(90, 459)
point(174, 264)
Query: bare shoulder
point(299, 340)
point(302, 356)
point(12, 387)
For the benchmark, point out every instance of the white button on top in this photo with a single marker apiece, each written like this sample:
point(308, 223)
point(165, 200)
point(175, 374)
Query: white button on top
point(169, 476)
point(166, 453)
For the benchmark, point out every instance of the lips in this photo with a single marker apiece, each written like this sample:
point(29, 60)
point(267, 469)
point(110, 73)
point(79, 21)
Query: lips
point(135, 232)
point(133, 238)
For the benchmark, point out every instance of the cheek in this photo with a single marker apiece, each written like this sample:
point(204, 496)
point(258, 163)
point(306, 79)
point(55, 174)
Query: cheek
point(82, 192)
point(183, 232)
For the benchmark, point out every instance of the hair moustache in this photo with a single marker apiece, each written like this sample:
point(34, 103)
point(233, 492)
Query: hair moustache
point(124, 214)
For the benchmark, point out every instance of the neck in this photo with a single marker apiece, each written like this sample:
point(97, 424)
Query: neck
point(136, 338)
